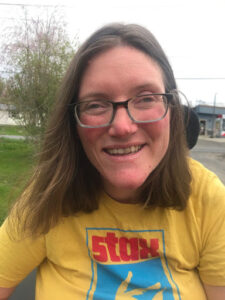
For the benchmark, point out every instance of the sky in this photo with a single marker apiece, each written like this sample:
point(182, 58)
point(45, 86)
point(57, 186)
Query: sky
point(190, 31)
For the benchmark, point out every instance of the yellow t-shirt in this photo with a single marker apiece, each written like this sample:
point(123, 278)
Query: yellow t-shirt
point(122, 251)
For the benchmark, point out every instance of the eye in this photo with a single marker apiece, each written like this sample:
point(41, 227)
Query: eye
point(94, 107)
point(147, 98)
point(145, 101)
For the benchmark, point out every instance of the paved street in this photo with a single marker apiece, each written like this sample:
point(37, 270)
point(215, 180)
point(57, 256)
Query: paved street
point(211, 153)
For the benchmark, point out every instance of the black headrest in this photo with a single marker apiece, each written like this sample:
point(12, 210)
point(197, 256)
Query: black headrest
point(192, 126)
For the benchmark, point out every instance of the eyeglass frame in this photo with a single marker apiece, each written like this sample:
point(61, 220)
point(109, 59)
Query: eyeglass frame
point(169, 96)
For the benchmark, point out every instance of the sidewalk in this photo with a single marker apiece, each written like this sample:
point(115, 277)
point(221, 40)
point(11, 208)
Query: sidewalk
point(218, 140)
point(13, 137)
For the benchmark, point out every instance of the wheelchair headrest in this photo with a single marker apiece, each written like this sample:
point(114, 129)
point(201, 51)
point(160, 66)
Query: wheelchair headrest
point(192, 126)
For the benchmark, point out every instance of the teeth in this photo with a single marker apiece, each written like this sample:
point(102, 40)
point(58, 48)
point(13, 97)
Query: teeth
point(122, 151)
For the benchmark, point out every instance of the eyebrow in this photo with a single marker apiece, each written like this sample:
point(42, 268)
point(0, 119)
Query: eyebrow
point(93, 95)
point(138, 88)
point(148, 85)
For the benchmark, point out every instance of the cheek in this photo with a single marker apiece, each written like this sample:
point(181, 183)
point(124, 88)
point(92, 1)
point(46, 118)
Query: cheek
point(90, 136)
point(159, 129)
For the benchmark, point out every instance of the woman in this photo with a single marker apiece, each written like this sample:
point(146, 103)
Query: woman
point(116, 209)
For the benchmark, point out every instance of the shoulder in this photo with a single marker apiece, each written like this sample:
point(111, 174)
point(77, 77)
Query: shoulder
point(200, 173)
point(207, 199)
point(204, 181)
point(207, 205)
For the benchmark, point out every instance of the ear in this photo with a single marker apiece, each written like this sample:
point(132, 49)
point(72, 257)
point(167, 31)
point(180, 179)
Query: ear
point(192, 126)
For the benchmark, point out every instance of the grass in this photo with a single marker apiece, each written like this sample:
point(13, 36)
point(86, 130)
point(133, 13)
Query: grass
point(16, 160)
point(12, 130)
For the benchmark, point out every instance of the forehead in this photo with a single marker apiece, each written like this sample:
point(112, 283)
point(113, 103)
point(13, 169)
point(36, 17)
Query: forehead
point(121, 68)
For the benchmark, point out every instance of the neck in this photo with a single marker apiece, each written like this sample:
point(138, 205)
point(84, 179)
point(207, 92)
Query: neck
point(122, 195)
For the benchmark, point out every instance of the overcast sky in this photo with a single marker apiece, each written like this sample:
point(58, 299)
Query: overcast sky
point(192, 33)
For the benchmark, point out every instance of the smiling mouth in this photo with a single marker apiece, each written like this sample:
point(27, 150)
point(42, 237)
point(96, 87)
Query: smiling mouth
point(124, 151)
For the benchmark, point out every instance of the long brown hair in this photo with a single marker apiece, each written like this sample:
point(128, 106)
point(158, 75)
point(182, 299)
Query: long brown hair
point(65, 182)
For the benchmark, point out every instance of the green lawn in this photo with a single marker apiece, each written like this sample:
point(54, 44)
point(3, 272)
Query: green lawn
point(12, 130)
point(16, 160)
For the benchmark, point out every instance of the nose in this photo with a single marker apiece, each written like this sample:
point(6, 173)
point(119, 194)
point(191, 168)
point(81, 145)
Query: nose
point(122, 125)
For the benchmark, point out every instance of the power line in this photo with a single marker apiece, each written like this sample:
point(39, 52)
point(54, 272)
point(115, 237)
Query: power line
point(33, 5)
point(200, 78)
point(5, 18)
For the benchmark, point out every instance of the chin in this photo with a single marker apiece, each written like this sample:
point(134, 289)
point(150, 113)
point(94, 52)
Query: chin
point(128, 183)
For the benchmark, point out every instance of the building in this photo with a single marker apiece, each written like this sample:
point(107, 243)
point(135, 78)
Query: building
point(212, 120)
point(5, 115)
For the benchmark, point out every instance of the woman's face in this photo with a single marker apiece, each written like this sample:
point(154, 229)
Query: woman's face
point(119, 74)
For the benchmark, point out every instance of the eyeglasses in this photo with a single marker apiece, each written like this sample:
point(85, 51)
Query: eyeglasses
point(147, 108)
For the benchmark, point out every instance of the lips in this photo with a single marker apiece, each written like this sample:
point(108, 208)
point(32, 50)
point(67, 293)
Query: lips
point(124, 151)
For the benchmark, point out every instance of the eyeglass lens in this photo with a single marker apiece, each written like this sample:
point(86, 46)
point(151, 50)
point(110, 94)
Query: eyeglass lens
point(141, 109)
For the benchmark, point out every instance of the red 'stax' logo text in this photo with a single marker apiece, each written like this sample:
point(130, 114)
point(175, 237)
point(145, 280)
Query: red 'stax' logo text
point(111, 248)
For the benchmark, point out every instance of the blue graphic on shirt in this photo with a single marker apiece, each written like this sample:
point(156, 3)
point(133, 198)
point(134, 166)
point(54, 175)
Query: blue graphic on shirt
point(144, 280)
point(129, 265)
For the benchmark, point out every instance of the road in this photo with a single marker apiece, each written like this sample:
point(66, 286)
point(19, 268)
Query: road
point(211, 153)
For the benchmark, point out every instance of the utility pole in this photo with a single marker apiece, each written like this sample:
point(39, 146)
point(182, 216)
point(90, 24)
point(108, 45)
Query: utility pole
point(213, 115)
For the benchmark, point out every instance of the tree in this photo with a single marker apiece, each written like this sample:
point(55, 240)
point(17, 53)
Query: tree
point(2, 87)
point(3, 91)
point(37, 55)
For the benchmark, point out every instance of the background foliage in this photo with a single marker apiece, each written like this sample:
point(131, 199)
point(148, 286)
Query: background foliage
point(16, 163)
point(36, 54)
